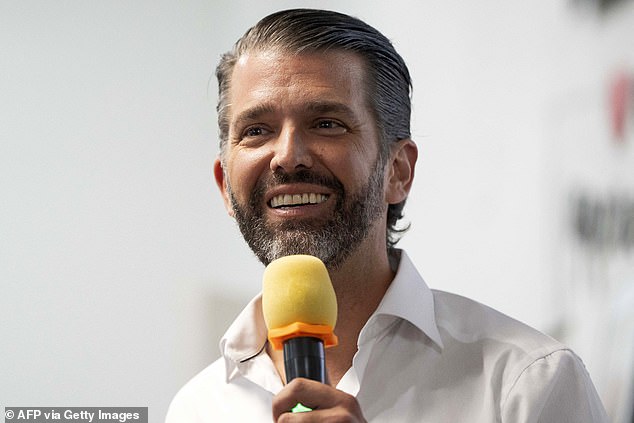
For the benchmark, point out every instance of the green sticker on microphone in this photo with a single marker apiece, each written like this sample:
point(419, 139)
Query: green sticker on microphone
point(300, 408)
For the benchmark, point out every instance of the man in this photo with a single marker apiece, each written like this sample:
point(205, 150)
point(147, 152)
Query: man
point(316, 158)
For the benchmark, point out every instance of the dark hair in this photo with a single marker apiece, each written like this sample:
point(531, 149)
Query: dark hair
point(306, 31)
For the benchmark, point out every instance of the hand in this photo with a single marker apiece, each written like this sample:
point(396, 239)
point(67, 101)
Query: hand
point(328, 403)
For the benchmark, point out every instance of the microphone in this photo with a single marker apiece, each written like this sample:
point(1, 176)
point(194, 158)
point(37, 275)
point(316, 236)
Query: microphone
point(300, 311)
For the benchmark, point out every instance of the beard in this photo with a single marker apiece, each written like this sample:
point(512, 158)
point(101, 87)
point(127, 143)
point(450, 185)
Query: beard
point(331, 238)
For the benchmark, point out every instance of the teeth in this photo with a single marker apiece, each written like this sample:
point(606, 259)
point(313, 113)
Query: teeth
point(297, 199)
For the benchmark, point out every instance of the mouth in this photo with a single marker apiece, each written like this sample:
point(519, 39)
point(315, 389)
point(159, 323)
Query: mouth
point(296, 200)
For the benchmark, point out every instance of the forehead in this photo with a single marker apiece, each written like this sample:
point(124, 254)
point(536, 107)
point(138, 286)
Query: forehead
point(288, 78)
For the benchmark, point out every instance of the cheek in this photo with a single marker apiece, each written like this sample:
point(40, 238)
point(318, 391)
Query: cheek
point(245, 169)
point(356, 168)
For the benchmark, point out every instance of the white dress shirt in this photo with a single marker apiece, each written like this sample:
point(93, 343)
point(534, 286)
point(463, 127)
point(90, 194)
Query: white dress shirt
point(423, 356)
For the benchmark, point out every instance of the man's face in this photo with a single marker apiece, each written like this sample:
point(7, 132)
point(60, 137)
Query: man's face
point(301, 171)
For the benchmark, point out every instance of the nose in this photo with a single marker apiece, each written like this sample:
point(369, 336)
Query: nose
point(292, 151)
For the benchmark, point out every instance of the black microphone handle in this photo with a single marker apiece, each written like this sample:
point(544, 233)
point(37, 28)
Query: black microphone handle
point(304, 356)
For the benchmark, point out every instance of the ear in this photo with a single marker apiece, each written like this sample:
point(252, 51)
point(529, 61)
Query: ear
point(400, 171)
point(219, 174)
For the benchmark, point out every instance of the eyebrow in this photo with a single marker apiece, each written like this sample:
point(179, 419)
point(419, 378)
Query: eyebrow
point(314, 107)
point(253, 113)
point(329, 107)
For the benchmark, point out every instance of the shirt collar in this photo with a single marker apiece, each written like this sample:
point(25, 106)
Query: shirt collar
point(246, 337)
point(409, 298)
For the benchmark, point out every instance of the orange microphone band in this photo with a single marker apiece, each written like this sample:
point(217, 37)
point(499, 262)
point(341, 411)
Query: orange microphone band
point(277, 336)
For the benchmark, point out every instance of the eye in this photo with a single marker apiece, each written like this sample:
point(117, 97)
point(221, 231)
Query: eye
point(330, 126)
point(255, 131)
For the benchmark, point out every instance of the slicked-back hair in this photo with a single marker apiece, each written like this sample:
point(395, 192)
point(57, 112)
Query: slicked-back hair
point(308, 31)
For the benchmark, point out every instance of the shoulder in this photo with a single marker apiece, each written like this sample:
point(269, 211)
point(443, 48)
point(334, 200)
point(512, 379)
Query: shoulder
point(532, 373)
point(463, 320)
point(503, 346)
point(198, 390)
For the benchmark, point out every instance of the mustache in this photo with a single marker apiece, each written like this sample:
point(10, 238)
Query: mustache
point(304, 176)
point(301, 176)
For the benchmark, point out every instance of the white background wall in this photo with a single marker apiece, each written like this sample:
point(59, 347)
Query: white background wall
point(118, 265)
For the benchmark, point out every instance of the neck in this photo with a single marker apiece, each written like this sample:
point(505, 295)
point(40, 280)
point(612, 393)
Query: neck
point(360, 286)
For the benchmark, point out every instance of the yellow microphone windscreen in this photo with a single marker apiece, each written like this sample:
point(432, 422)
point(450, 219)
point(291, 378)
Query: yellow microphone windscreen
point(297, 289)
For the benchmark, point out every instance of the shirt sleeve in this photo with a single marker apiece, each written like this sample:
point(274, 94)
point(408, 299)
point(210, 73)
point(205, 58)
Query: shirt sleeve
point(554, 389)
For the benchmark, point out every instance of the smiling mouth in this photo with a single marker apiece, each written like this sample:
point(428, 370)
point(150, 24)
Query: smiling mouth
point(294, 200)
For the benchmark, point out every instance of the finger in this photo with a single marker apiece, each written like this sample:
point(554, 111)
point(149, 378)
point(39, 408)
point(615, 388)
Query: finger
point(323, 399)
point(299, 390)
point(339, 413)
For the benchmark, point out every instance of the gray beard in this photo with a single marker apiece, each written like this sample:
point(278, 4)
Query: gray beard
point(332, 238)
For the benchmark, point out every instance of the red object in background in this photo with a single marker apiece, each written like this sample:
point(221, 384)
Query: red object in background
point(621, 94)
